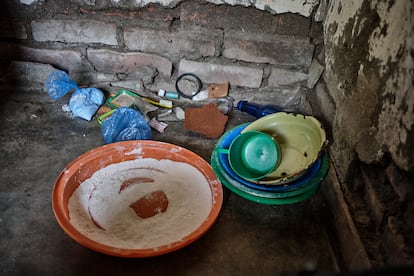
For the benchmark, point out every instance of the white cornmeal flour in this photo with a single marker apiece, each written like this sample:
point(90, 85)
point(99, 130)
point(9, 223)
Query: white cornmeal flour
point(187, 190)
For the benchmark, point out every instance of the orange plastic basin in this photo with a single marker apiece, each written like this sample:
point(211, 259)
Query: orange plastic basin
point(87, 164)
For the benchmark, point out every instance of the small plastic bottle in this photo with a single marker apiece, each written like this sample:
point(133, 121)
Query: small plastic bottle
point(168, 94)
point(258, 110)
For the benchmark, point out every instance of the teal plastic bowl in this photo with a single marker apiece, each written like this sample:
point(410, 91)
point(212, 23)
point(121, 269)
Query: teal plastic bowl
point(253, 155)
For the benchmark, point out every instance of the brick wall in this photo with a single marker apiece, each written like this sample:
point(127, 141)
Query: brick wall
point(266, 57)
point(147, 47)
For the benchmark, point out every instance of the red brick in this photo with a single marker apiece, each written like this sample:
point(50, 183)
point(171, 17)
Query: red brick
point(82, 31)
point(277, 49)
point(239, 18)
point(191, 43)
point(280, 76)
point(292, 24)
point(217, 73)
point(111, 61)
point(63, 59)
point(154, 13)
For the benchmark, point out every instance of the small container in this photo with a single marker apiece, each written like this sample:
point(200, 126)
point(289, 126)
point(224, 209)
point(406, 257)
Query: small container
point(123, 98)
point(168, 94)
point(104, 116)
point(171, 95)
point(257, 110)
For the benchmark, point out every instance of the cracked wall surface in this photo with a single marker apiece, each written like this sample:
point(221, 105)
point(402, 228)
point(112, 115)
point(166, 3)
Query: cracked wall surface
point(369, 73)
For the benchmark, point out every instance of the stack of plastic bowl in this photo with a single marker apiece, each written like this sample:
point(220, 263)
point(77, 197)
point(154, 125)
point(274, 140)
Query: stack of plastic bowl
point(298, 158)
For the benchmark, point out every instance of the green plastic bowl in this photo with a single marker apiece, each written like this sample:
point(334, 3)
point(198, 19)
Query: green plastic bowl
point(253, 155)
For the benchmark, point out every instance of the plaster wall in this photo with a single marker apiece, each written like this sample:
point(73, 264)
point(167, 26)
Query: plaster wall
point(369, 75)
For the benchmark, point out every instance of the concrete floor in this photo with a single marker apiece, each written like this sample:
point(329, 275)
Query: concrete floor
point(38, 139)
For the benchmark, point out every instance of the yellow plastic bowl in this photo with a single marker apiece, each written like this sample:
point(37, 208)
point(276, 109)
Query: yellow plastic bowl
point(301, 139)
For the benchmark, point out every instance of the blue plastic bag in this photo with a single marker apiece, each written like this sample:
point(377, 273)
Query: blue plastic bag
point(125, 124)
point(85, 102)
point(58, 84)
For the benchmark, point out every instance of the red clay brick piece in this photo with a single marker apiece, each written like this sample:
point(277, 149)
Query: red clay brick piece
point(207, 120)
point(150, 204)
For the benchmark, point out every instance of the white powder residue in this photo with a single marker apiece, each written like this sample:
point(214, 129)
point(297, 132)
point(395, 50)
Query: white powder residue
point(137, 151)
point(188, 192)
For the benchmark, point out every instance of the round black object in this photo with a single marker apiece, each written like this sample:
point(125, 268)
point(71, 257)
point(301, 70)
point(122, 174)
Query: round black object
point(189, 76)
